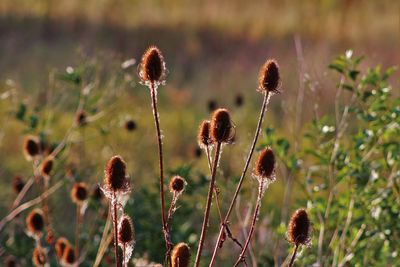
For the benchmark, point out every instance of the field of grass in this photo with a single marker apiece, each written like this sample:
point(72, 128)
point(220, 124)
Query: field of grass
point(334, 127)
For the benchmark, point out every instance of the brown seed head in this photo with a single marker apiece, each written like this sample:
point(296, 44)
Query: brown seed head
point(203, 138)
point(239, 100)
point(177, 184)
point(31, 147)
point(115, 173)
point(68, 255)
point(221, 127)
point(18, 183)
point(299, 230)
point(269, 79)
point(180, 256)
point(46, 167)
point(79, 193)
point(126, 230)
point(130, 125)
point(212, 105)
point(35, 222)
point(152, 66)
point(60, 246)
point(265, 165)
point(39, 258)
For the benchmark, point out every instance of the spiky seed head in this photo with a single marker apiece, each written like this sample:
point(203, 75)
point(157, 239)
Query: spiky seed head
point(18, 183)
point(265, 165)
point(39, 258)
point(115, 173)
point(180, 256)
point(203, 138)
point(81, 118)
point(46, 167)
point(239, 100)
point(126, 230)
point(60, 246)
point(130, 125)
point(79, 193)
point(31, 147)
point(299, 229)
point(212, 105)
point(177, 184)
point(152, 66)
point(221, 127)
point(96, 192)
point(269, 78)
point(35, 222)
point(68, 255)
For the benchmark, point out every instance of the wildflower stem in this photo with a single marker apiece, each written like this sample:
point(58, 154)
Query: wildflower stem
point(246, 166)
point(115, 219)
point(215, 188)
point(293, 255)
point(208, 205)
point(78, 221)
point(161, 165)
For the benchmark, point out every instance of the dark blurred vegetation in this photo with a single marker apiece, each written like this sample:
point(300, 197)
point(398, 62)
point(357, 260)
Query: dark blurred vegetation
point(213, 51)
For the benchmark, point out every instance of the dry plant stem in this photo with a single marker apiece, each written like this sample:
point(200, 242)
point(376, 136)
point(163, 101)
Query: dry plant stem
point(293, 256)
point(208, 205)
point(161, 165)
point(29, 204)
point(123, 254)
point(253, 225)
point(246, 166)
point(105, 240)
point(115, 219)
point(78, 222)
point(45, 203)
point(215, 188)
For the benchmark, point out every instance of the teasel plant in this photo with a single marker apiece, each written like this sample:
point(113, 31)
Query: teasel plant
point(79, 195)
point(264, 173)
point(176, 186)
point(180, 256)
point(299, 232)
point(115, 186)
point(222, 131)
point(39, 257)
point(152, 73)
point(269, 83)
point(126, 239)
point(35, 224)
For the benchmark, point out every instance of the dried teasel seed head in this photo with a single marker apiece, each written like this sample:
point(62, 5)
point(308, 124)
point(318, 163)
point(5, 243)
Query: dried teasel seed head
point(269, 78)
point(299, 229)
point(60, 246)
point(35, 222)
point(46, 167)
point(203, 138)
point(126, 230)
point(152, 66)
point(177, 184)
point(31, 147)
point(239, 100)
point(212, 105)
point(180, 255)
point(79, 193)
point(115, 173)
point(130, 125)
point(81, 118)
point(265, 165)
point(221, 127)
point(18, 183)
point(68, 257)
point(39, 257)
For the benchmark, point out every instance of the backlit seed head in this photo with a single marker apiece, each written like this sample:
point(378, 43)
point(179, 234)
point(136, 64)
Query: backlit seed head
point(115, 173)
point(299, 229)
point(221, 128)
point(130, 125)
point(69, 255)
point(177, 184)
point(18, 183)
point(180, 256)
point(46, 167)
point(126, 230)
point(152, 66)
point(81, 118)
point(79, 193)
point(60, 246)
point(39, 258)
point(269, 78)
point(31, 147)
point(203, 138)
point(265, 165)
point(35, 222)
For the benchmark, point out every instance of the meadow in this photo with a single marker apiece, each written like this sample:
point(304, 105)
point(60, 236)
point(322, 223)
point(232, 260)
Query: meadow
point(79, 84)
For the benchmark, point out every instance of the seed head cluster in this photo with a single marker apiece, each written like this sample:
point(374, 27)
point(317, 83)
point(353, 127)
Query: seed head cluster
point(46, 167)
point(31, 147)
point(180, 256)
point(203, 138)
point(177, 184)
point(68, 255)
point(152, 66)
point(39, 257)
point(60, 246)
point(221, 127)
point(126, 230)
point(265, 165)
point(115, 174)
point(299, 229)
point(79, 193)
point(35, 222)
point(269, 78)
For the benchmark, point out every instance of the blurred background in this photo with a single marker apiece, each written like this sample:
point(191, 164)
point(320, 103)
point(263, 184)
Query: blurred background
point(213, 52)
